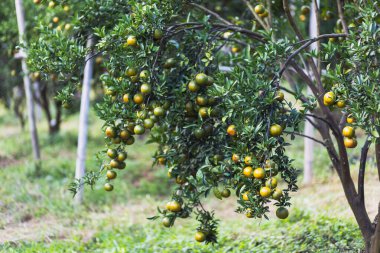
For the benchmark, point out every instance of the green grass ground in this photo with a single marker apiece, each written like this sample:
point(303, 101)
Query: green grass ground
point(37, 215)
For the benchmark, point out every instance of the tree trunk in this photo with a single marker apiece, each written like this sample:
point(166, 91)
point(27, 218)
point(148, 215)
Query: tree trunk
point(375, 241)
point(56, 125)
point(17, 101)
point(358, 208)
point(37, 95)
point(377, 154)
point(27, 83)
point(83, 121)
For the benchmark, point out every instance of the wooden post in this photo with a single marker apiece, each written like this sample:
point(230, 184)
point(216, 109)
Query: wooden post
point(309, 129)
point(83, 120)
point(27, 84)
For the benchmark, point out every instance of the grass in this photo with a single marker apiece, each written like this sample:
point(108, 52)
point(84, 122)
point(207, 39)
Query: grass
point(37, 215)
point(301, 233)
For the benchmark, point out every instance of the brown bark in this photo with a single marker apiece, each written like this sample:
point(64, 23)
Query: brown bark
point(53, 124)
point(377, 152)
point(375, 240)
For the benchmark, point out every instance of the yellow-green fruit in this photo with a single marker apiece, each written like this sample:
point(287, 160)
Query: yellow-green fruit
point(275, 130)
point(166, 222)
point(110, 132)
point(340, 104)
point(158, 34)
point(271, 183)
point(159, 111)
point(193, 87)
point(139, 130)
point(280, 96)
point(282, 213)
point(108, 187)
point(51, 4)
point(203, 112)
point(111, 174)
point(131, 72)
point(145, 88)
point(201, 79)
point(277, 194)
point(329, 98)
point(259, 9)
point(148, 123)
point(131, 41)
point(265, 192)
point(144, 75)
point(200, 236)
point(114, 164)
point(259, 173)
point(122, 156)
point(247, 171)
point(305, 10)
point(350, 142)
point(111, 153)
point(226, 193)
point(348, 131)
point(138, 98)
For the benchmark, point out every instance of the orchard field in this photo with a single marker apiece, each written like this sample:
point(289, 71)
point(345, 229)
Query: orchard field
point(37, 212)
point(190, 126)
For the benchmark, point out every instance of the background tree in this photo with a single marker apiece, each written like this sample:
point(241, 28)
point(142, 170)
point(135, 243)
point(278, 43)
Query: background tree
point(20, 14)
point(218, 130)
point(44, 89)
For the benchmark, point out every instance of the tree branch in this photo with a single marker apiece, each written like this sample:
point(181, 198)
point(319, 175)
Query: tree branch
point(341, 15)
point(293, 24)
point(305, 77)
point(363, 161)
point(312, 123)
point(214, 14)
point(196, 25)
point(306, 136)
point(343, 120)
point(304, 46)
point(270, 14)
point(302, 98)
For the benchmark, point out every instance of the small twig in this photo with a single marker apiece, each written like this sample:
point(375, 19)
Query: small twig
point(306, 136)
point(341, 15)
point(269, 8)
point(216, 15)
point(291, 20)
point(312, 123)
point(304, 46)
point(235, 28)
point(342, 120)
point(317, 117)
point(250, 7)
point(302, 98)
point(306, 78)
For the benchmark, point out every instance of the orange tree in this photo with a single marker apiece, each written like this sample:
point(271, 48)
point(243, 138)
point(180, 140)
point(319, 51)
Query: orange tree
point(205, 79)
point(11, 74)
